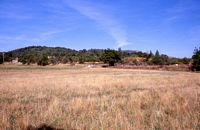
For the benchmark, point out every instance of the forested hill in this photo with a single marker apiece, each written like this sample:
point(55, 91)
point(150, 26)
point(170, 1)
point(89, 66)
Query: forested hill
point(55, 55)
point(32, 54)
point(58, 54)
point(37, 51)
point(41, 50)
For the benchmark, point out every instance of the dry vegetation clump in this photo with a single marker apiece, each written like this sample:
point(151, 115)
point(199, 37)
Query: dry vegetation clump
point(99, 99)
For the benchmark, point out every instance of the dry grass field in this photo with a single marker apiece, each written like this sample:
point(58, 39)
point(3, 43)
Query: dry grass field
point(80, 98)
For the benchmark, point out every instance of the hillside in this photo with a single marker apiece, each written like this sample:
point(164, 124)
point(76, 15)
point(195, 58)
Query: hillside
point(55, 55)
point(59, 54)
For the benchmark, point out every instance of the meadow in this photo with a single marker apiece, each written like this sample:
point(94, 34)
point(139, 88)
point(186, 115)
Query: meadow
point(82, 98)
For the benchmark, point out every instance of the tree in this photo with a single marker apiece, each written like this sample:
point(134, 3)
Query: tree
point(28, 58)
point(196, 60)
point(1, 58)
point(53, 60)
point(81, 60)
point(185, 60)
point(65, 60)
point(157, 54)
point(43, 60)
point(157, 59)
point(164, 59)
point(120, 52)
point(111, 57)
point(150, 55)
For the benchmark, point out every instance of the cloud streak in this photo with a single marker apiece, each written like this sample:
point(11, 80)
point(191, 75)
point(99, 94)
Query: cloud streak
point(38, 38)
point(107, 22)
point(183, 9)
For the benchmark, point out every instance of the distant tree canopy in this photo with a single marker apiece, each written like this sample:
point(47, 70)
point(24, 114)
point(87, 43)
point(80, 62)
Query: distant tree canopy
point(56, 55)
point(161, 59)
point(196, 60)
point(32, 54)
point(157, 59)
point(43, 60)
point(111, 57)
point(28, 58)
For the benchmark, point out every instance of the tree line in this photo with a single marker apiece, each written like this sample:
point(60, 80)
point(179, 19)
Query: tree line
point(43, 55)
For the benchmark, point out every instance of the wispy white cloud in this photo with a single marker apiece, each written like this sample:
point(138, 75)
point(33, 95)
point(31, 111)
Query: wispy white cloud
point(182, 10)
point(49, 33)
point(11, 38)
point(105, 20)
point(27, 38)
point(14, 11)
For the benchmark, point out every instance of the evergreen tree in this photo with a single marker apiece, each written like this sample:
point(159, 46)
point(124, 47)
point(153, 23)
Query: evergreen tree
point(149, 57)
point(1, 58)
point(150, 54)
point(196, 60)
point(120, 52)
point(157, 54)
point(157, 60)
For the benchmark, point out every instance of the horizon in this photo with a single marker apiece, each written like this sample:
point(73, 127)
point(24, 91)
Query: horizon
point(171, 27)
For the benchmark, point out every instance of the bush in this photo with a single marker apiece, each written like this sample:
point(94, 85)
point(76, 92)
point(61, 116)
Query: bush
point(196, 60)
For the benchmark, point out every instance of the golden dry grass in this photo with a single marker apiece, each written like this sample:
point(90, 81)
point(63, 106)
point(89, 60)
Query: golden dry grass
point(98, 99)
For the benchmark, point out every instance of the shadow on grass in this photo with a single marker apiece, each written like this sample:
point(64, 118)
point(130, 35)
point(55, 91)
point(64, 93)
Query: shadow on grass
point(43, 127)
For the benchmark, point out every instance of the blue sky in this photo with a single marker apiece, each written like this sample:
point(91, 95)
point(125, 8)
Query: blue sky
point(170, 26)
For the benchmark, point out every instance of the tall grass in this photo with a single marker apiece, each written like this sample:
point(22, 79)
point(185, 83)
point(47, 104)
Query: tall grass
point(99, 99)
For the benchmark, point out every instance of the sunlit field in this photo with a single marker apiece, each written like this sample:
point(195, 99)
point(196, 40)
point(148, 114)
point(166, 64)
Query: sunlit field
point(82, 98)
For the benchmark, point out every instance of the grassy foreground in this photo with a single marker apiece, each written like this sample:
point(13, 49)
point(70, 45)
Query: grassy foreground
point(98, 99)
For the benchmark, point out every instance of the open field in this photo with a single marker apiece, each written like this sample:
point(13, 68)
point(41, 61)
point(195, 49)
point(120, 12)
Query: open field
point(98, 98)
